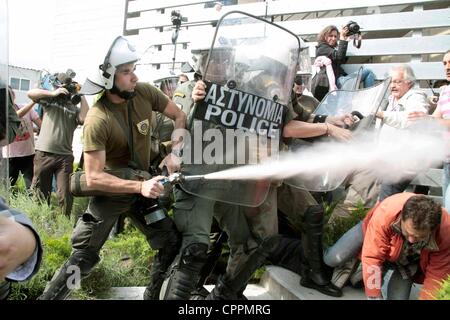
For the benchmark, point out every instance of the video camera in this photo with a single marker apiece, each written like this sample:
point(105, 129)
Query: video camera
point(65, 80)
point(177, 18)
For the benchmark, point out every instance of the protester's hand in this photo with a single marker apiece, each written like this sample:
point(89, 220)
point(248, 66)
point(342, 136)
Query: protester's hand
point(339, 133)
point(199, 91)
point(172, 162)
point(343, 121)
point(417, 115)
point(152, 188)
point(17, 244)
point(60, 91)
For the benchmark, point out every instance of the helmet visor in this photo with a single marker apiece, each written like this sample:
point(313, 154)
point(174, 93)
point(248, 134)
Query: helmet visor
point(90, 88)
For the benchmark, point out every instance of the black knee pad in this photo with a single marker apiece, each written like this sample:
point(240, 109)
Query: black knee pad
point(195, 252)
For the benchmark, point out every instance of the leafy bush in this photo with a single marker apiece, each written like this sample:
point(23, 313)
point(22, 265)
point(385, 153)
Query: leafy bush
point(125, 259)
point(444, 291)
point(335, 230)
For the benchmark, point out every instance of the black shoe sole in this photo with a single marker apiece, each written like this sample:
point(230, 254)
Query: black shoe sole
point(322, 289)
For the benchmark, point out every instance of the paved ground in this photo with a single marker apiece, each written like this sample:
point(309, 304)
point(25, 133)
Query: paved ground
point(276, 284)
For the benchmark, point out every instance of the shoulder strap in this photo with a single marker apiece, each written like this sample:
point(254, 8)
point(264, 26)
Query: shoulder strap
point(133, 163)
point(134, 158)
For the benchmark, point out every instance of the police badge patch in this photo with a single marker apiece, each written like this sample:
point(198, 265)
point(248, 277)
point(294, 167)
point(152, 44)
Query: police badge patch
point(143, 127)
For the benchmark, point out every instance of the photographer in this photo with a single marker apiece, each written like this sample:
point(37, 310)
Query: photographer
point(329, 47)
point(54, 155)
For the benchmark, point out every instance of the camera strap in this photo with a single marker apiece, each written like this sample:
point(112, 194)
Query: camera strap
point(134, 158)
point(133, 163)
point(357, 42)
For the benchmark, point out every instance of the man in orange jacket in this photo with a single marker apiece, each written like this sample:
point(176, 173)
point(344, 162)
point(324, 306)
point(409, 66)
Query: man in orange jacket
point(406, 233)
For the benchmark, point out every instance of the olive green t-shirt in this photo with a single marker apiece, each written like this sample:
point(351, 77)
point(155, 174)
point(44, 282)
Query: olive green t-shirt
point(58, 125)
point(103, 127)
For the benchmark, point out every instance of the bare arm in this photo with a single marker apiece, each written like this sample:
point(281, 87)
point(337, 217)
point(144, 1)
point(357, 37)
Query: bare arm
point(176, 114)
point(25, 109)
point(37, 94)
point(83, 110)
point(38, 122)
point(94, 162)
point(300, 129)
point(17, 244)
point(171, 111)
point(437, 115)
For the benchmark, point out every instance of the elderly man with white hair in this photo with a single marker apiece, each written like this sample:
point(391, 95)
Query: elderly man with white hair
point(404, 99)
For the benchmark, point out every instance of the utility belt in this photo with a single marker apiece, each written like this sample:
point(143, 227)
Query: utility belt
point(79, 187)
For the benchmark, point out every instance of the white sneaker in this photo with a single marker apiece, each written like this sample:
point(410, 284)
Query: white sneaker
point(342, 273)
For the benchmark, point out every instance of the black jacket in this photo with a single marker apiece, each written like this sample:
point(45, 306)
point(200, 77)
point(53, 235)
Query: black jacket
point(338, 56)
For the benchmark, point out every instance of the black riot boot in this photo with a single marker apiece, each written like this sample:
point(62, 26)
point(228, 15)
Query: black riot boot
point(184, 273)
point(166, 237)
point(161, 262)
point(232, 285)
point(68, 277)
point(313, 273)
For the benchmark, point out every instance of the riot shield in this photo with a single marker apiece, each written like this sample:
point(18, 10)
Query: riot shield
point(363, 104)
point(366, 102)
point(4, 181)
point(249, 75)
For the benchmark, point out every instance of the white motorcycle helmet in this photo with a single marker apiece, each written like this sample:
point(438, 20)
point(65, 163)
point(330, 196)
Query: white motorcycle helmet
point(121, 52)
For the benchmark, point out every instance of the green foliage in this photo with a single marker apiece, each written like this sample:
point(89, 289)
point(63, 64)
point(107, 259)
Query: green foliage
point(125, 262)
point(333, 231)
point(444, 291)
point(256, 278)
point(125, 259)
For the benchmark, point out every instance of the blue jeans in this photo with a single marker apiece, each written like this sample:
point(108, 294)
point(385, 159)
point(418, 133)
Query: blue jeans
point(394, 287)
point(445, 188)
point(347, 247)
point(367, 77)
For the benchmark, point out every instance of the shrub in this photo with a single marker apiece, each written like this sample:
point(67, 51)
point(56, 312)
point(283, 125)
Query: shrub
point(444, 291)
point(334, 231)
point(125, 259)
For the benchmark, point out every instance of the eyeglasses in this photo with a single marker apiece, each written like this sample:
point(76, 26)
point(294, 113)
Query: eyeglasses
point(398, 81)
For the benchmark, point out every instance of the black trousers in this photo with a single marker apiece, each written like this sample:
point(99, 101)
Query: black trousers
point(24, 165)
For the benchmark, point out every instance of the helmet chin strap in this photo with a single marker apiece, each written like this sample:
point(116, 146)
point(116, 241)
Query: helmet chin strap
point(127, 95)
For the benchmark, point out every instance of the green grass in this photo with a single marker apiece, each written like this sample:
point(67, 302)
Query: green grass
point(444, 291)
point(125, 259)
